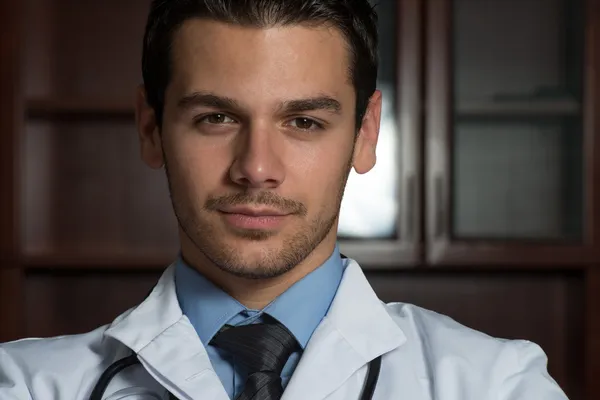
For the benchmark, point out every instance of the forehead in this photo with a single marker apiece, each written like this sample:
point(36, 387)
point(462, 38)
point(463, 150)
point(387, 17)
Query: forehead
point(279, 61)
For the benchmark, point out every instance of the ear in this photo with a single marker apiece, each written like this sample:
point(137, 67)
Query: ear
point(148, 131)
point(364, 156)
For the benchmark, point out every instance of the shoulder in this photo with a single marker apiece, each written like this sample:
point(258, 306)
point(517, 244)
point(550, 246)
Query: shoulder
point(439, 340)
point(68, 351)
point(46, 353)
point(28, 362)
point(436, 329)
point(443, 336)
point(446, 350)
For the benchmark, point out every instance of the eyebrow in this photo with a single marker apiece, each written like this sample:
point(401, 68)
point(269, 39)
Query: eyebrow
point(312, 104)
point(203, 99)
point(206, 99)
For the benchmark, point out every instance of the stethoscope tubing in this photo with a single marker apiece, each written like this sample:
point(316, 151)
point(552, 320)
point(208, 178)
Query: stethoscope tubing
point(120, 365)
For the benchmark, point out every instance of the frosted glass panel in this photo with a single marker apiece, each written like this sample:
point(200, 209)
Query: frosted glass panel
point(370, 205)
point(517, 179)
point(509, 48)
point(517, 156)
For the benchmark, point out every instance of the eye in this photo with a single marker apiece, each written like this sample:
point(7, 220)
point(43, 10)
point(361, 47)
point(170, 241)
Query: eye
point(215, 119)
point(306, 124)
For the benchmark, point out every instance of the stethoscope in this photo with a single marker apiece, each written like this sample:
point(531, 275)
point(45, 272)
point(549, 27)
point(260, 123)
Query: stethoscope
point(120, 365)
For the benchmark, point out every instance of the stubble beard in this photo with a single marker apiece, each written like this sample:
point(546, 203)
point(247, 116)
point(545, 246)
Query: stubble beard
point(207, 237)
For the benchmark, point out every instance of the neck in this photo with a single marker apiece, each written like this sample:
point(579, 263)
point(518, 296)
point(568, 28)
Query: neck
point(256, 294)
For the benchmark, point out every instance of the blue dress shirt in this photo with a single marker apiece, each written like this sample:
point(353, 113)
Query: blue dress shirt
point(301, 308)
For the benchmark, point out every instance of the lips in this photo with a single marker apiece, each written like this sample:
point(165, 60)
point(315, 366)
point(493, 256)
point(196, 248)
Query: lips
point(251, 218)
point(253, 212)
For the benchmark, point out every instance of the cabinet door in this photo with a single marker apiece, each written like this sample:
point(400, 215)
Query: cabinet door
point(86, 197)
point(380, 213)
point(510, 132)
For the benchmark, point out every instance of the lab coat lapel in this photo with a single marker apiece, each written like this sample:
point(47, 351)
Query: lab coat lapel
point(356, 330)
point(167, 344)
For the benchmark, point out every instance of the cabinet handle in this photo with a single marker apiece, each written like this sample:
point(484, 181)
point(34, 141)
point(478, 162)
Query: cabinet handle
point(439, 207)
point(409, 212)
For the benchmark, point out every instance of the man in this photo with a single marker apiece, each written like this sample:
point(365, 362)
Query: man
point(257, 110)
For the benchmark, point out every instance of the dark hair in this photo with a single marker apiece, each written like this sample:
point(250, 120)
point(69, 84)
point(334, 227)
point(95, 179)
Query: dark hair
point(356, 19)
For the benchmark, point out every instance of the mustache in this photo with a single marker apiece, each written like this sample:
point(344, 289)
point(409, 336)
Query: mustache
point(268, 199)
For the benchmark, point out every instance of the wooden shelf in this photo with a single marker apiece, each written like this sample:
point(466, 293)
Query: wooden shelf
point(105, 259)
point(79, 109)
point(519, 108)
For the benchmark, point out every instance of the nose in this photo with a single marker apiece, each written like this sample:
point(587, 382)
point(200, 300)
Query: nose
point(257, 162)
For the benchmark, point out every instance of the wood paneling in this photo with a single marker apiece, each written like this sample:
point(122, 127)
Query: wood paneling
point(70, 302)
point(71, 57)
point(10, 122)
point(11, 304)
point(592, 342)
point(92, 197)
point(592, 124)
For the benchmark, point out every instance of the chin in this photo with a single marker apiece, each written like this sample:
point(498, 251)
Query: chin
point(256, 236)
point(251, 258)
point(257, 263)
point(258, 252)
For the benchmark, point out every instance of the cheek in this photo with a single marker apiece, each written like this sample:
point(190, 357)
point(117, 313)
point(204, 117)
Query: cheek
point(320, 172)
point(198, 169)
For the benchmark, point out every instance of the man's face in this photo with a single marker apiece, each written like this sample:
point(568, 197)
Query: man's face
point(258, 138)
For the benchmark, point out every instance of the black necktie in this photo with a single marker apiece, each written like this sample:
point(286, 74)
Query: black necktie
point(262, 348)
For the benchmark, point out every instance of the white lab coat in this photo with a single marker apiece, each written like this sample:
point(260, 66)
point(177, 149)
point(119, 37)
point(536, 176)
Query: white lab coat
point(426, 356)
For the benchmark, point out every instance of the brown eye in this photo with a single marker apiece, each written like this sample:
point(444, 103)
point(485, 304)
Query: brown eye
point(305, 124)
point(218, 119)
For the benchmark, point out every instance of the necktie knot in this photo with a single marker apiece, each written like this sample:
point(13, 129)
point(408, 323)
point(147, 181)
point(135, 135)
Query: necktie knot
point(264, 350)
point(260, 347)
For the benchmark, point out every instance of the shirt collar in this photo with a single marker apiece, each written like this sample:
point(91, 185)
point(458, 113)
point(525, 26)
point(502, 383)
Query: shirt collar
point(207, 306)
point(300, 309)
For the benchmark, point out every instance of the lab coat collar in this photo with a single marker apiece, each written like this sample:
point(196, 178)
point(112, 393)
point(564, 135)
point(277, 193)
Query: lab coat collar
point(167, 344)
point(356, 330)
point(142, 324)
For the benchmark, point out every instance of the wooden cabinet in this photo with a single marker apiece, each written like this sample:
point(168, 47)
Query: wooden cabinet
point(86, 198)
point(511, 132)
point(483, 205)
